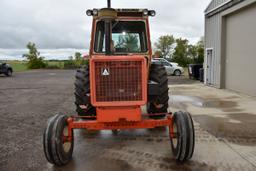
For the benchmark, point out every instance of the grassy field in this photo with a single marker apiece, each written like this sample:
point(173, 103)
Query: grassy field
point(59, 64)
point(18, 66)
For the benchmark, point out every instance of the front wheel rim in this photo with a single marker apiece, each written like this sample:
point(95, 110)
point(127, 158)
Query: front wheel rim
point(66, 144)
point(174, 137)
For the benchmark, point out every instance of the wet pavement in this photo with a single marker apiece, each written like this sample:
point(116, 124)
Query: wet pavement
point(225, 126)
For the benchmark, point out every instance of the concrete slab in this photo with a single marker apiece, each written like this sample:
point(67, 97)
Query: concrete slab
point(228, 116)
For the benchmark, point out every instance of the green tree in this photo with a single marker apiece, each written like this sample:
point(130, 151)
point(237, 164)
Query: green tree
point(181, 52)
point(129, 42)
point(200, 51)
point(165, 44)
point(70, 58)
point(35, 61)
point(78, 56)
point(157, 54)
point(192, 52)
point(196, 52)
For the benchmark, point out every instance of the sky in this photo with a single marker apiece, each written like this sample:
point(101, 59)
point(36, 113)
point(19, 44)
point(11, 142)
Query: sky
point(60, 27)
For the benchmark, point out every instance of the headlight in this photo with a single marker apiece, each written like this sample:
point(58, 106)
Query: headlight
point(152, 13)
point(95, 12)
point(89, 12)
point(145, 12)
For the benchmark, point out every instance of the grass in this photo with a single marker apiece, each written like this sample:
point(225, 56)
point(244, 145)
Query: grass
point(18, 66)
point(185, 71)
point(59, 64)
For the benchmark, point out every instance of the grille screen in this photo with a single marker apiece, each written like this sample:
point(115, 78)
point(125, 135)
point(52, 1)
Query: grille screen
point(118, 81)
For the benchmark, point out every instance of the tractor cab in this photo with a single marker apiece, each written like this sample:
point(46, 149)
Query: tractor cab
point(120, 32)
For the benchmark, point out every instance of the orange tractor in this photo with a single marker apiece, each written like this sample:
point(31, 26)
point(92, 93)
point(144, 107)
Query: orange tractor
point(119, 79)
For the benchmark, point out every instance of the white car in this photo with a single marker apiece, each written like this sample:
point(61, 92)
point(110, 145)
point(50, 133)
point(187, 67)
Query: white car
point(171, 67)
point(173, 63)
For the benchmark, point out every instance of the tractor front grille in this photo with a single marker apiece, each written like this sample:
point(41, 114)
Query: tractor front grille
point(118, 81)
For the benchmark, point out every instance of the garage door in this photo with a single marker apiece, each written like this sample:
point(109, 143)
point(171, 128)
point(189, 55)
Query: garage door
point(240, 72)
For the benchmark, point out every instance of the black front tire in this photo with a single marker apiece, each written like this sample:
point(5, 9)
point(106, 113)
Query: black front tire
point(8, 73)
point(160, 103)
point(47, 139)
point(183, 140)
point(82, 92)
point(57, 151)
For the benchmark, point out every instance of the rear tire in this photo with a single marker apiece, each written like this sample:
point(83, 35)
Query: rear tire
point(183, 140)
point(82, 92)
point(57, 151)
point(160, 103)
point(177, 72)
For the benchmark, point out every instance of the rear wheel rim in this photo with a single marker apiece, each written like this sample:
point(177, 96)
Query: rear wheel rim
point(66, 144)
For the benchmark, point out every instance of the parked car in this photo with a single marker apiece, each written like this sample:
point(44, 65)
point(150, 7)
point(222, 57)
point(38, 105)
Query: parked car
point(173, 63)
point(171, 67)
point(5, 69)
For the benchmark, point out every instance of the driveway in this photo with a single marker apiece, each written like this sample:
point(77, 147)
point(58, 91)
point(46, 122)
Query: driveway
point(224, 124)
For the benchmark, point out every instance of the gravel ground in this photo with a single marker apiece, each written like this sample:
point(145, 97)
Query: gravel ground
point(28, 99)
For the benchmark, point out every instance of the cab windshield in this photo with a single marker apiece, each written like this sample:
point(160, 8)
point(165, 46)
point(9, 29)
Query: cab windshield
point(127, 37)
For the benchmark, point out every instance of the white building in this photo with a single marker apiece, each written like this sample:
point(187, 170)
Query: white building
point(230, 42)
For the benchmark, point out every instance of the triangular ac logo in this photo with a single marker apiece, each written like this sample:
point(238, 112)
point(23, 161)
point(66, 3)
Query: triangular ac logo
point(105, 72)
